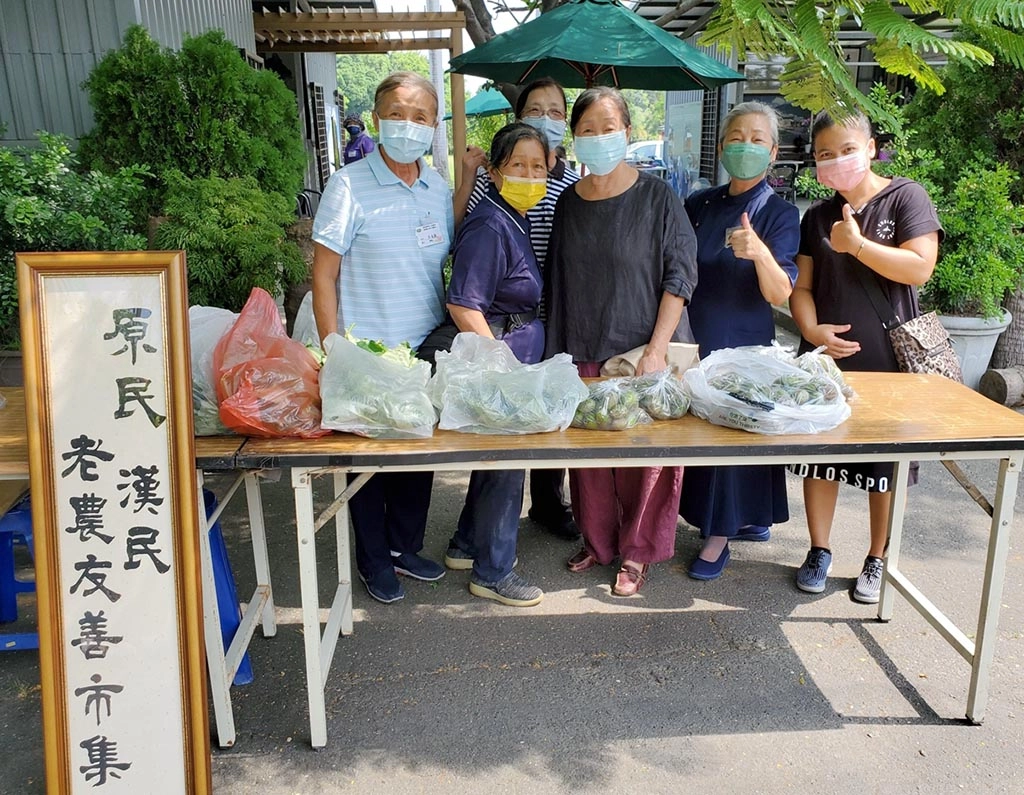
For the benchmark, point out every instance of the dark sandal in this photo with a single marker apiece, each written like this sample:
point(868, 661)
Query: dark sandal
point(630, 579)
point(581, 561)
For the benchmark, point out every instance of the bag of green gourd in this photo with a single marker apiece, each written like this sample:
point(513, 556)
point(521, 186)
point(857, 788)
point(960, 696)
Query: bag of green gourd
point(612, 405)
point(662, 395)
point(764, 390)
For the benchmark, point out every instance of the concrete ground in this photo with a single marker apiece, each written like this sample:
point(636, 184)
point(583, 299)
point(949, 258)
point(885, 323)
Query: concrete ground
point(740, 685)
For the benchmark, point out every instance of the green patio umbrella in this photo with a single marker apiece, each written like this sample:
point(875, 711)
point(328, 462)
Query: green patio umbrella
point(594, 42)
point(489, 102)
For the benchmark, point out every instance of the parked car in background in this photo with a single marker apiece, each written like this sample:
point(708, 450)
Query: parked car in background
point(649, 154)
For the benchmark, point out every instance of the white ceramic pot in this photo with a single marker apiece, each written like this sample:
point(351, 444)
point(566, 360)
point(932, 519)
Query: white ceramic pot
point(974, 339)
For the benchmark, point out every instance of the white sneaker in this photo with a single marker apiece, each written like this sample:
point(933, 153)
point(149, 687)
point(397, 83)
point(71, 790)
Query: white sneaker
point(869, 583)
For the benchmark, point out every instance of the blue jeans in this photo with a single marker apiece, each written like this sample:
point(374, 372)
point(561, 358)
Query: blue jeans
point(489, 523)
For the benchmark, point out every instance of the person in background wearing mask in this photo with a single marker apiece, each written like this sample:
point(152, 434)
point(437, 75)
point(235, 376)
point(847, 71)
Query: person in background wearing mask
point(495, 291)
point(380, 240)
point(359, 143)
point(621, 268)
point(747, 238)
point(890, 228)
point(541, 105)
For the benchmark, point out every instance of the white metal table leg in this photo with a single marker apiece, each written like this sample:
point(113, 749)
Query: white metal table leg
point(220, 684)
point(897, 509)
point(344, 553)
point(261, 561)
point(303, 487)
point(992, 588)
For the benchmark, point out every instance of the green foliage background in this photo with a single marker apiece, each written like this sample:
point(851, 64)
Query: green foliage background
point(231, 232)
point(47, 205)
point(201, 111)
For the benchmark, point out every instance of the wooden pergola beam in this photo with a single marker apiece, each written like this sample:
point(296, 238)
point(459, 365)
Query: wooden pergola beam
point(343, 22)
point(352, 47)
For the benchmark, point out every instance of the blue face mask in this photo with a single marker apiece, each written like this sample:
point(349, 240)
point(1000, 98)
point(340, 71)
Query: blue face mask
point(553, 130)
point(354, 130)
point(601, 153)
point(746, 161)
point(405, 141)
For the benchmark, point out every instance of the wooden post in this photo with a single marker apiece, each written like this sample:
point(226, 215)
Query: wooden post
point(458, 107)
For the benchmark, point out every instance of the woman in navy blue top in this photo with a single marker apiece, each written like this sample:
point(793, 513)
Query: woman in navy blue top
point(747, 240)
point(495, 291)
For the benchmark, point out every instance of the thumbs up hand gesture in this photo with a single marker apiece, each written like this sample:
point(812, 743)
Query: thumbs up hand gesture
point(744, 241)
point(846, 237)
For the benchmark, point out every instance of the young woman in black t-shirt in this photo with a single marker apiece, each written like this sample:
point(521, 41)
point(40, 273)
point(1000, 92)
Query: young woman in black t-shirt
point(889, 227)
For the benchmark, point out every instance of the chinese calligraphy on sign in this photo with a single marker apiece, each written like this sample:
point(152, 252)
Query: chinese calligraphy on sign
point(112, 425)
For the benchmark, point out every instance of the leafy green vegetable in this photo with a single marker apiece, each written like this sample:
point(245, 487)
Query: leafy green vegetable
point(612, 405)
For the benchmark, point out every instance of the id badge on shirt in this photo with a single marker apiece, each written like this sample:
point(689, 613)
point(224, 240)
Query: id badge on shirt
point(429, 234)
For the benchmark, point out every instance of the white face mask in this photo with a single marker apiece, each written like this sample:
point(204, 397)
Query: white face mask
point(405, 141)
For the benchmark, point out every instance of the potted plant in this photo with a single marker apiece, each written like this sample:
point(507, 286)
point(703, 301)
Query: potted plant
point(980, 260)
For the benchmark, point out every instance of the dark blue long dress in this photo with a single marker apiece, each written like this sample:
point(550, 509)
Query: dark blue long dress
point(727, 311)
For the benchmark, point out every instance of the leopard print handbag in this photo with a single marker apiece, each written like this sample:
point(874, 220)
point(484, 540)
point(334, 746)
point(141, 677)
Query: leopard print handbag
point(922, 345)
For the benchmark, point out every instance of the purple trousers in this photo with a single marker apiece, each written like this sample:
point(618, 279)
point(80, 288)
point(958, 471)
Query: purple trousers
point(626, 512)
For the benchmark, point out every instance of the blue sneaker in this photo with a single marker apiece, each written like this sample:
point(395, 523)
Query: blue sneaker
point(384, 586)
point(753, 532)
point(813, 574)
point(702, 569)
point(419, 568)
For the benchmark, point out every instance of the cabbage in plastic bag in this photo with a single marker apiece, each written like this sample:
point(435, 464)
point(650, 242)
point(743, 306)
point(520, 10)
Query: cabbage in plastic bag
point(480, 387)
point(370, 395)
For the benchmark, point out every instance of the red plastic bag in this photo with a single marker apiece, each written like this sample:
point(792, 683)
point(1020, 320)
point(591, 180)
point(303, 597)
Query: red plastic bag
point(267, 384)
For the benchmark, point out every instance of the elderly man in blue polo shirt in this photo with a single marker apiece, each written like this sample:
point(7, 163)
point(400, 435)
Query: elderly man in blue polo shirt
point(380, 238)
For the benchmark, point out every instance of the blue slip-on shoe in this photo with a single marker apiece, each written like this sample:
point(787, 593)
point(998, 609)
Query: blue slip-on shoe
point(419, 568)
point(384, 586)
point(753, 532)
point(702, 569)
point(813, 574)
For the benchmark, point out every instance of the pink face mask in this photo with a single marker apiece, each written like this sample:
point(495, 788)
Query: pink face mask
point(843, 173)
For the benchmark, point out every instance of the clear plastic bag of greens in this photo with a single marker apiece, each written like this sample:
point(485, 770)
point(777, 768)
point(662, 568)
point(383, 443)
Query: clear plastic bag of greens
point(611, 405)
point(764, 391)
point(480, 387)
point(662, 395)
point(373, 391)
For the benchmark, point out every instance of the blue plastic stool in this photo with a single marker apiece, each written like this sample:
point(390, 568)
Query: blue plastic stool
point(15, 526)
point(227, 595)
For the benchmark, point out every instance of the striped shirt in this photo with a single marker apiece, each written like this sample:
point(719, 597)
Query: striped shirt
point(390, 288)
point(540, 217)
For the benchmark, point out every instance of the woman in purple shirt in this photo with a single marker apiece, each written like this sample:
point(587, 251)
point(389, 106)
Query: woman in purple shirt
point(495, 291)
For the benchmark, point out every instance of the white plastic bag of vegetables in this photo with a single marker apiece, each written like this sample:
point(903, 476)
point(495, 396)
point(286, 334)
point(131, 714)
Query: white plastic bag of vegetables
point(765, 391)
point(480, 387)
point(373, 391)
point(206, 325)
point(611, 405)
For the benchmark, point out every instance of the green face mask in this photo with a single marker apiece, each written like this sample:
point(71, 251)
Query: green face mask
point(746, 161)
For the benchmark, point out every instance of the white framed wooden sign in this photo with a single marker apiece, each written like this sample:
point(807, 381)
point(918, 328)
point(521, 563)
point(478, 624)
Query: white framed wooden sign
point(109, 410)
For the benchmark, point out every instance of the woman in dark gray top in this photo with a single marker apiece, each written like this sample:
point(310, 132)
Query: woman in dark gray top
point(621, 267)
point(884, 229)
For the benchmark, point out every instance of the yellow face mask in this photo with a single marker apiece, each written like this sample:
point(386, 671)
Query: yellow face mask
point(522, 193)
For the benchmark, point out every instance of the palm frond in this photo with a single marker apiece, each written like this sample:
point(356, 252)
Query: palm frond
point(880, 18)
point(1007, 43)
point(1005, 12)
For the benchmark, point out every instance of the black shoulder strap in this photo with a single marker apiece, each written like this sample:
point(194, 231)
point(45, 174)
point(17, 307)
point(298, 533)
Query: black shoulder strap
point(883, 308)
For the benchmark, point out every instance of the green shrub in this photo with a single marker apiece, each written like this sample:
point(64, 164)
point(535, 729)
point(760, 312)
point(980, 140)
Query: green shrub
point(233, 237)
point(806, 184)
point(982, 256)
point(47, 205)
point(201, 111)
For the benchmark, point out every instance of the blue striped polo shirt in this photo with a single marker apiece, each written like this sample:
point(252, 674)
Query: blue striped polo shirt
point(390, 287)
